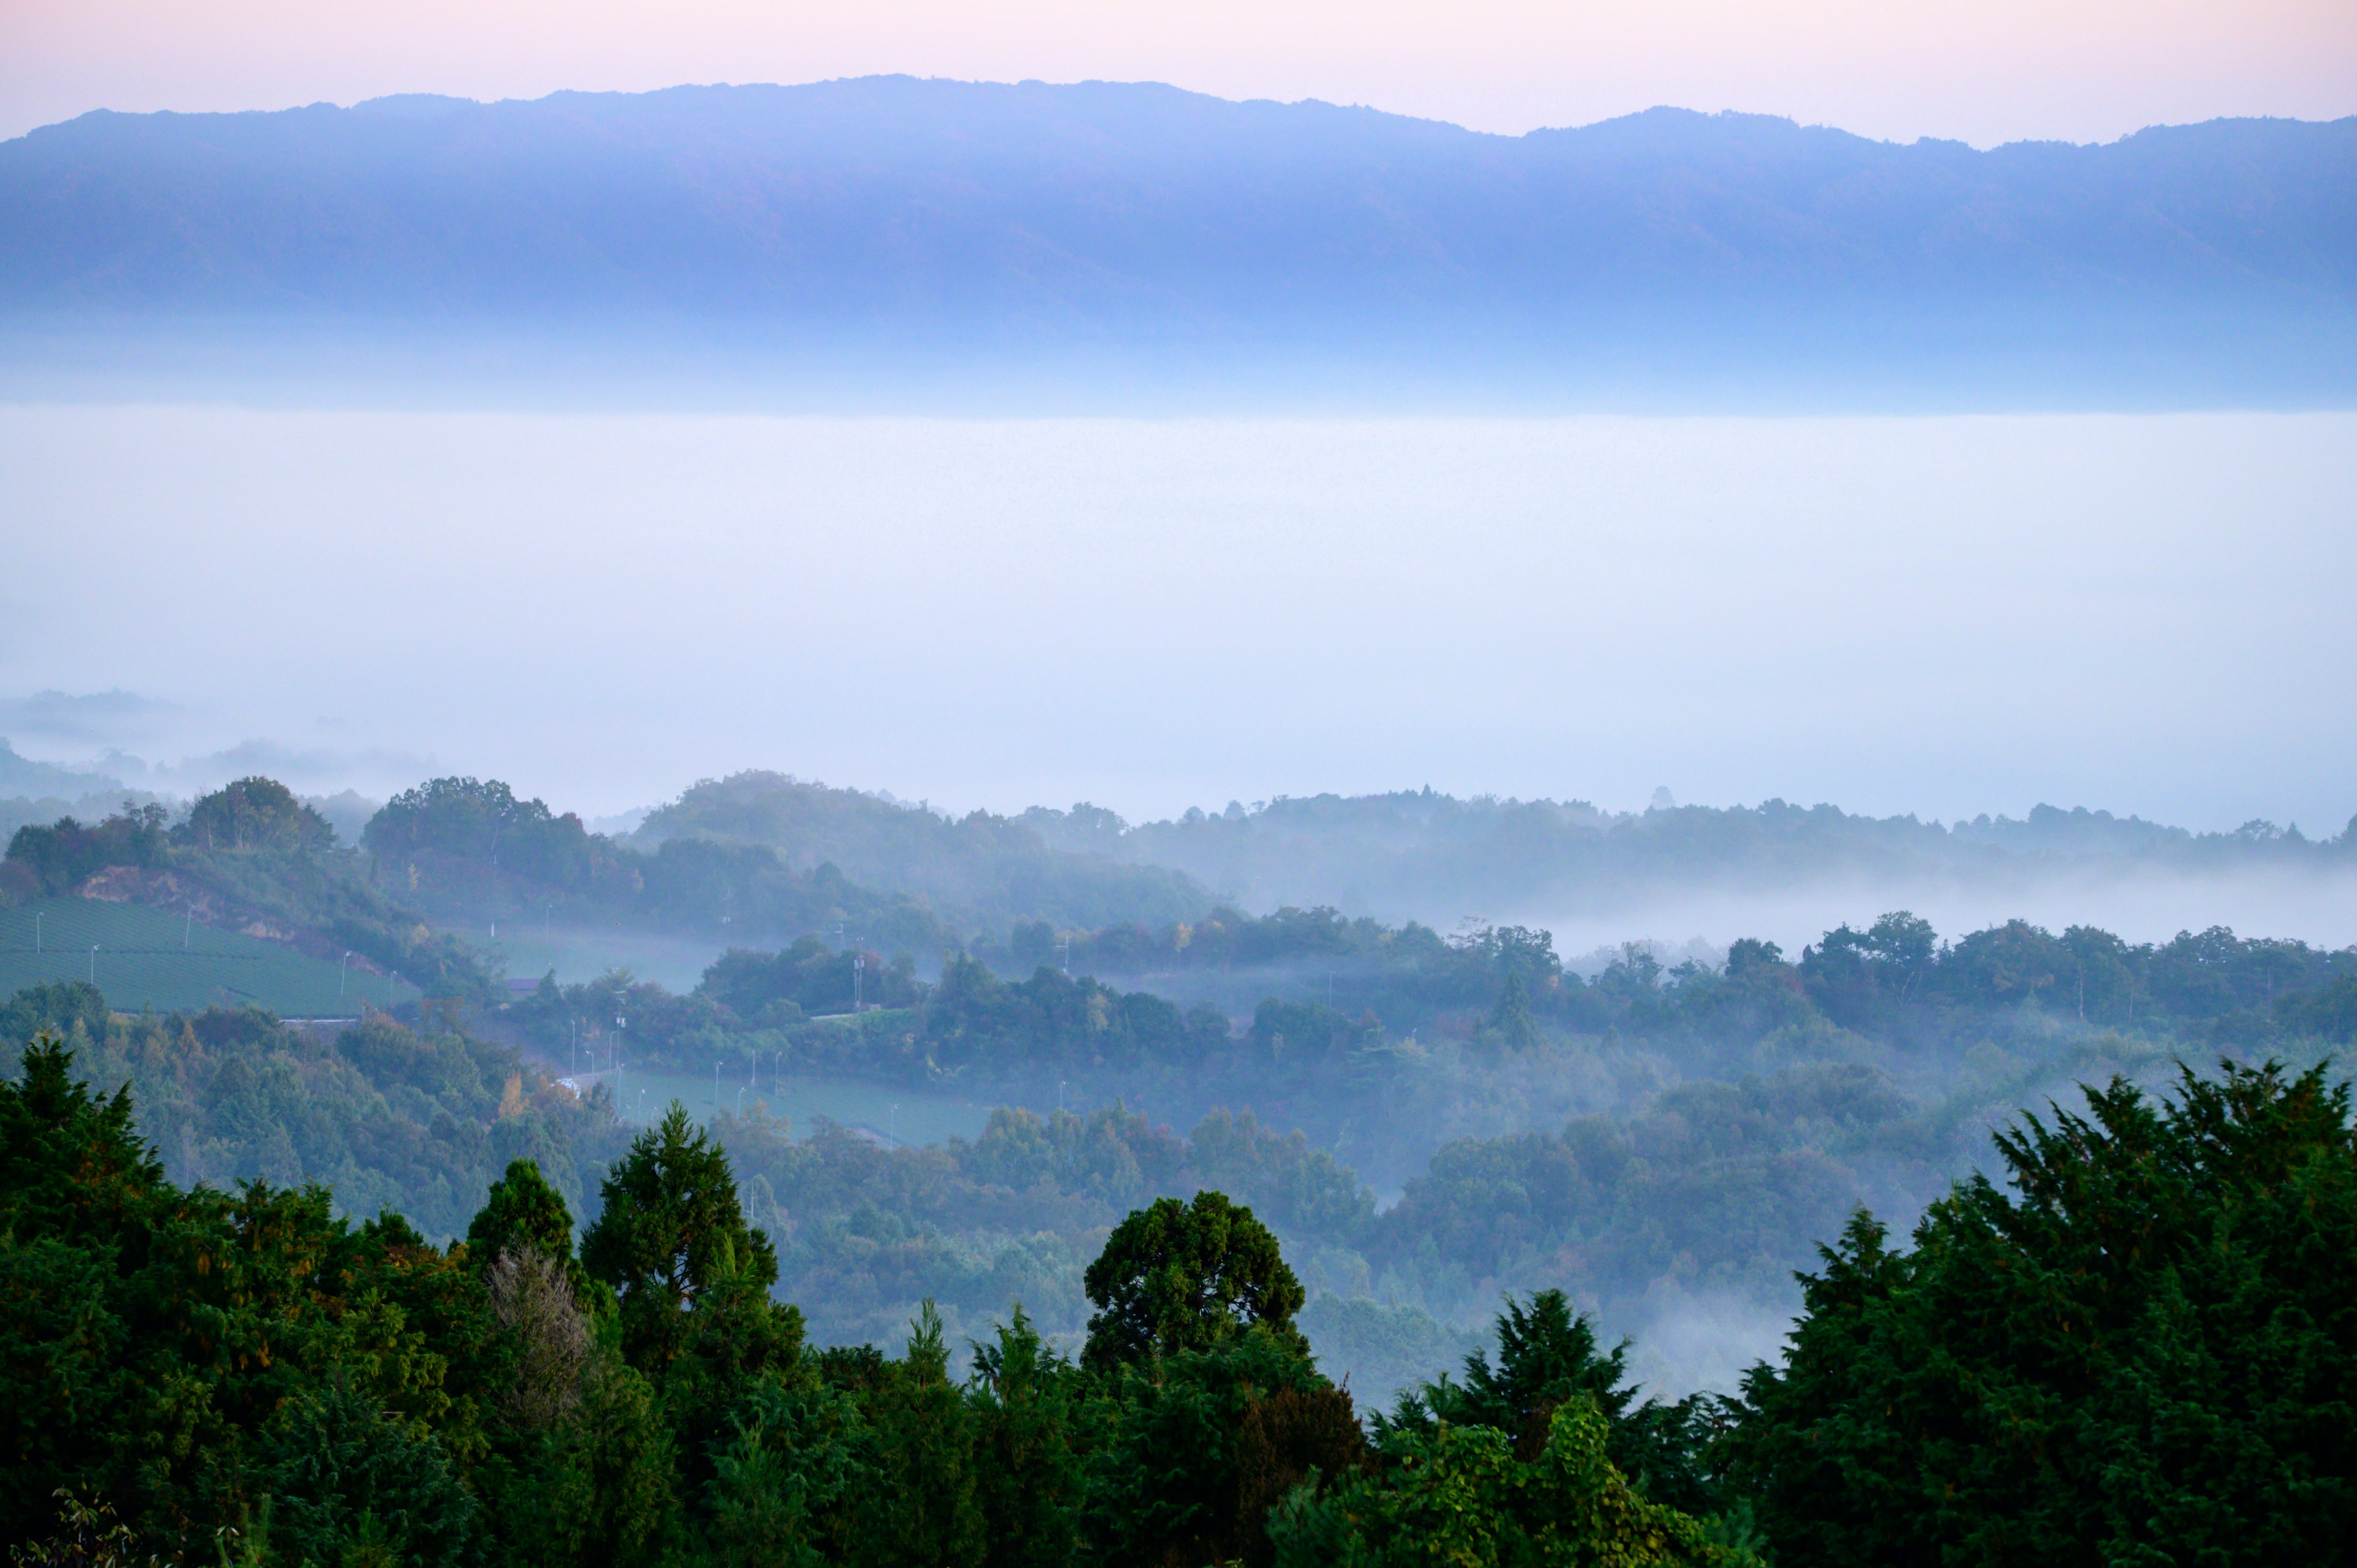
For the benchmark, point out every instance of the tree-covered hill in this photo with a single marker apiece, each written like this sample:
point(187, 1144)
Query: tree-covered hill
point(984, 871)
point(756, 854)
point(250, 857)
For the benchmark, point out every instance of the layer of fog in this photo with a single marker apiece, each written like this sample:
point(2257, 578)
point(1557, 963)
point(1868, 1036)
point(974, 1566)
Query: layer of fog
point(1946, 616)
point(2138, 904)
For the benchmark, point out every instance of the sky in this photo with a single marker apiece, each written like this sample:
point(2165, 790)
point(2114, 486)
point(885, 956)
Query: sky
point(1944, 615)
point(1977, 70)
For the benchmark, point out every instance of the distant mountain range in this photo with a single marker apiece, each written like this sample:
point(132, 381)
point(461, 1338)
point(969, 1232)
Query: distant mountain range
point(910, 215)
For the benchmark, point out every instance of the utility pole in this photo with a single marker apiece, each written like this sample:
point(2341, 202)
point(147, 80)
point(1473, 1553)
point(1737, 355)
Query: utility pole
point(93, 963)
point(342, 969)
point(37, 917)
point(858, 971)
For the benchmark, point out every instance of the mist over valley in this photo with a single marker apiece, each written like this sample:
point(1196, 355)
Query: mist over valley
point(907, 822)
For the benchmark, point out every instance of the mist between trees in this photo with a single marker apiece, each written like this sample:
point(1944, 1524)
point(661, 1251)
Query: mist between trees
point(1667, 1145)
point(1426, 1119)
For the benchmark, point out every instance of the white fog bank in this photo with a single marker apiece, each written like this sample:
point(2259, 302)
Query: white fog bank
point(1943, 615)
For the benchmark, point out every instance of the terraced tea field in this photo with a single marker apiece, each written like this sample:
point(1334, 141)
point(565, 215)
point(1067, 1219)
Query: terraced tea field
point(141, 957)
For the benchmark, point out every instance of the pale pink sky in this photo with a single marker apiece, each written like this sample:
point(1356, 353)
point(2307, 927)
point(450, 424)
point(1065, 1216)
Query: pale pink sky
point(1982, 70)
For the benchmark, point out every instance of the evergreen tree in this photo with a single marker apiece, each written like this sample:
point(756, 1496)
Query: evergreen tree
point(670, 1232)
point(351, 1484)
point(1548, 1356)
point(521, 1210)
point(2145, 1352)
point(1027, 1436)
point(924, 1508)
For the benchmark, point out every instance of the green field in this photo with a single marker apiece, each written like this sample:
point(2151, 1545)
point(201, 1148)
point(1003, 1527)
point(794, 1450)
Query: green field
point(153, 958)
point(579, 953)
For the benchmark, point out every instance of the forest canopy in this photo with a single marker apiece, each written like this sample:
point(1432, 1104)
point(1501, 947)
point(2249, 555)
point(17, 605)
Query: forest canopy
point(2140, 1342)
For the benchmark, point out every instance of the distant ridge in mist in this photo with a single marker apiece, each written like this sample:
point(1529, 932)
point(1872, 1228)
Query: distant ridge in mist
point(903, 220)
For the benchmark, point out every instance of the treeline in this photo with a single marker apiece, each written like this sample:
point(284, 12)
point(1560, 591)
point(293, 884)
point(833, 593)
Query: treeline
point(756, 852)
point(2136, 1348)
point(1495, 990)
point(469, 849)
point(865, 1231)
point(1414, 849)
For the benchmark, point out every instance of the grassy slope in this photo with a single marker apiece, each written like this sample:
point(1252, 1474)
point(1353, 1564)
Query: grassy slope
point(151, 958)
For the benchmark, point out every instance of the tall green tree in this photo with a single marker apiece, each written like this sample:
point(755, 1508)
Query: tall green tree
point(1188, 1276)
point(672, 1232)
point(924, 1509)
point(521, 1210)
point(256, 813)
point(1029, 1430)
point(1200, 1444)
point(791, 1479)
point(1548, 1356)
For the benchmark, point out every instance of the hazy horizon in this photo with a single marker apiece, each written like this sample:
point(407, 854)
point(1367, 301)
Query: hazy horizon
point(2086, 70)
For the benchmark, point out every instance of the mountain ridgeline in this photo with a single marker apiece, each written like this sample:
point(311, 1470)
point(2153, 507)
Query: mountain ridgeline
point(914, 215)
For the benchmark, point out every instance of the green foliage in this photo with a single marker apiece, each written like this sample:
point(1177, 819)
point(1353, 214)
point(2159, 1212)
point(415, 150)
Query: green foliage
point(925, 1509)
point(254, 813)
point(422, 1121)
point(671, 1232)
point(2145, 1352)
point(1461, 1496)
point(2328, 1014)
point(521, 1210)
point(2140, 1352)
point(605, 1491)
point(1029, 1432)
point(1548, 1358)
point(1176, 1277)
point(60, 1006)
point(352, 1485)
point(788, 1487)
point(976, 870)
point(1201, 1445)
point(88, 1535)
point(58, 858)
